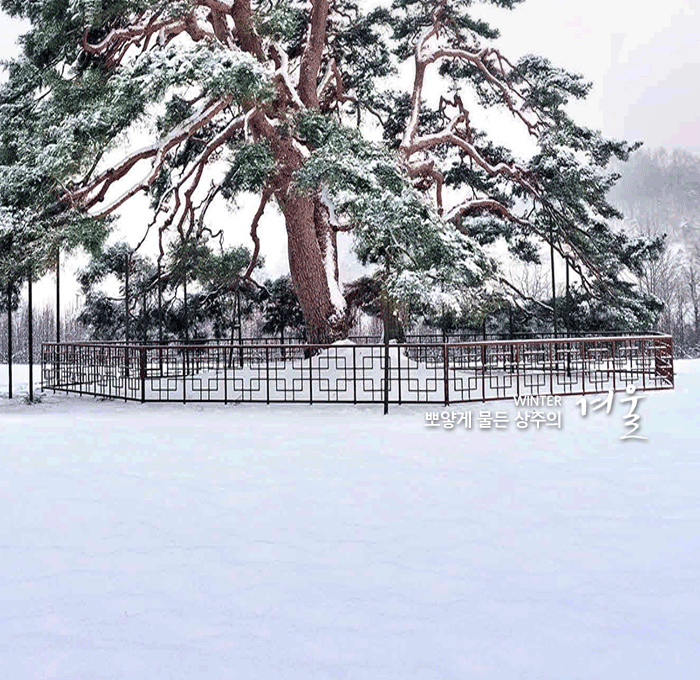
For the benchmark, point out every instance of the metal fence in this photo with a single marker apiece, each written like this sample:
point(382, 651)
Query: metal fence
point(410, 338)
point(430, 373)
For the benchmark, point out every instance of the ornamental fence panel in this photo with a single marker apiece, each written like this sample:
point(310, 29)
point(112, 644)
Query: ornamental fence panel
point(429, 373)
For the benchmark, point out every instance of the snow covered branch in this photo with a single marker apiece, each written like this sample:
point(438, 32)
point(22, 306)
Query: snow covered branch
point(96, 190)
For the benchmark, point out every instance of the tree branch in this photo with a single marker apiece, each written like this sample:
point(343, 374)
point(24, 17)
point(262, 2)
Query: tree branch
point(106, 179)
point(267, 193)
point(313, 52)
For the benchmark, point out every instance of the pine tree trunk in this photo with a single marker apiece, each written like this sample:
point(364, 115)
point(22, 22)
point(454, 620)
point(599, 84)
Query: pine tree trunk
point(313, 266)
point(311, 240)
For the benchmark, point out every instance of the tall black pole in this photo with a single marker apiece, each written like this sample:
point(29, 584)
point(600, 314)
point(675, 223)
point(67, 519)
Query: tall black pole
point(385, 295)
point(386, 352)
point(9, 340)
point(144, 318)
point(568, 301)
point(31, 336)
point(510, 321)
point(554, 289)
point(187, 317)
point(568, 320)
point(239, 315)
point(186, 357)
point(510, 335)
point(240, 324)
point(160, 321)
point(126, 299)
point(58, 295)
point(160, 307)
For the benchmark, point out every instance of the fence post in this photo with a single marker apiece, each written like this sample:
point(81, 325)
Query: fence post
point(663, 358)
point(56, 367)
point(311, 377)
point(225, 375)
point(670, 358)
point(81, 374)
point(483, 372)
point(184, 374)
point(386, 373)
point(110, 373)
point(398, 370)
point(354, 375)
point(142, 372)
point(445, 369)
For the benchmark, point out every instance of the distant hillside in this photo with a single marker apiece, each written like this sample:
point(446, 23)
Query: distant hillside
point(659, 193)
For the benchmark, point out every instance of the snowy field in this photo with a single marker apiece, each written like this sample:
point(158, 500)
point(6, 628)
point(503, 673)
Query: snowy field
point(201, 542)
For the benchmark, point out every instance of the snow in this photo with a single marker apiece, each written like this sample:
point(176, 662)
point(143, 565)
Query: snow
point(211, 541)
point(283, 71)
point(305, 153)
point(337, 298)
point(328, 204)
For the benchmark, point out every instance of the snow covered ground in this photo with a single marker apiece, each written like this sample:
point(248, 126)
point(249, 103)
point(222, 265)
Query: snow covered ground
point(210, 542)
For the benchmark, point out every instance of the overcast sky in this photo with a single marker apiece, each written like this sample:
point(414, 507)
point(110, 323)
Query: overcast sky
point(642, 57)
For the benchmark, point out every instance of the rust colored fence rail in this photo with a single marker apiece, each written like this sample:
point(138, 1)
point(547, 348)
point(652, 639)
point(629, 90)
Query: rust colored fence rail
point(446, 373)
point(411, 338)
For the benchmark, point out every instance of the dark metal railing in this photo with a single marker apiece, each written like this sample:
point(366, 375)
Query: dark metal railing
point(411, 338)
point(435, 373)
point(459, 337)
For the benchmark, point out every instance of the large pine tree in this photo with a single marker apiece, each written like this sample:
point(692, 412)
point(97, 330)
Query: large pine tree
point(290, 100)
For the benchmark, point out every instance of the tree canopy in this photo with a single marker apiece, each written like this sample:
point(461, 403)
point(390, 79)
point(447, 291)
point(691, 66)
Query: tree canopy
point(299, 102)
